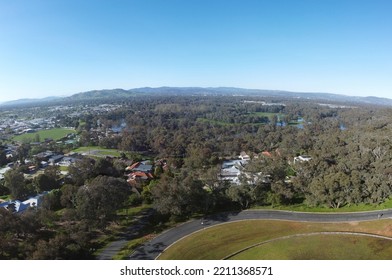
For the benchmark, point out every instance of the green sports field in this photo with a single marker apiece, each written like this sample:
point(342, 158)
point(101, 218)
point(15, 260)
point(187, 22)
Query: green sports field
point(55, 134)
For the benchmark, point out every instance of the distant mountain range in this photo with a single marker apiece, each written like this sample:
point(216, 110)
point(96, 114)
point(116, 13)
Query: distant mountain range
point(27, 101)
point(107, 94)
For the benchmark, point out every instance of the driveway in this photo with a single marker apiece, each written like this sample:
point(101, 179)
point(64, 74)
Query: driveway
point(150, 250)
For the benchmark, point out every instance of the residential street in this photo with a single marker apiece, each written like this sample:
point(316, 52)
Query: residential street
point(152, 249)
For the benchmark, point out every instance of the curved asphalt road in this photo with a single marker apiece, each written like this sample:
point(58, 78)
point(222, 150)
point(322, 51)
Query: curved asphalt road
point(153, 248)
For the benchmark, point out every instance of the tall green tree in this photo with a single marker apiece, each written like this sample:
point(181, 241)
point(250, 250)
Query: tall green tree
point(53, 171)
point(44, 182)
point(3, 157)
point(98, 200)
point(68, 195)
point(179, 197)
point(82, 170)
point(15, 182)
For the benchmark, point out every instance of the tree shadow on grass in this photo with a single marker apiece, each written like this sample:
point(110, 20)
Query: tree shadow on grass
point(223, 217)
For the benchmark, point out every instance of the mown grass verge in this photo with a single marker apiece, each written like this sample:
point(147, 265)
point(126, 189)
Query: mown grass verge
point(220, 241)
point(340, 247)
point(348, 208)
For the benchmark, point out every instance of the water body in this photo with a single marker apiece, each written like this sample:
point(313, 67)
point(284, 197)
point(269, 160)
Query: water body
point(300, 123)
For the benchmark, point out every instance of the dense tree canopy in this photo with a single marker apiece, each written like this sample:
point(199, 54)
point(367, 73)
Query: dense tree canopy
point(186, 139)
point(15, 182)
point(98, 200)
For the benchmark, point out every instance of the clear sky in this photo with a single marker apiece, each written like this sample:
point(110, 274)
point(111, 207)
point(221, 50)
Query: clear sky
point(61, 47)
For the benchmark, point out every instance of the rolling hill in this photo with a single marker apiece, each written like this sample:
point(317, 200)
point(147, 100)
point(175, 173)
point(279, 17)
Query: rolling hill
point(110, 94)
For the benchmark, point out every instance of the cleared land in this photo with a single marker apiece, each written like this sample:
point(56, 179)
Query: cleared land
point(55, 134)
point(98, 151)
point(220, 241)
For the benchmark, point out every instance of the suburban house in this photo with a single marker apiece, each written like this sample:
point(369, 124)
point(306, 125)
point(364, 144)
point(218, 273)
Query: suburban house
point(273, 154)
point(17, 206)
point(267, 154)
point(55, 159)
point(45, 155)
point(32, 168)
point(139, 172)
point(302, 158)
point(244, 156)
point(67, 161)
point(3, 171)
point(140, 166)
point(49, 157)
point(138, 177)
point(14, 206)
point(232, 169)
point(34, 201)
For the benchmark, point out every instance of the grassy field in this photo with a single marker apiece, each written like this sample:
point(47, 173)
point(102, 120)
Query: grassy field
point(98, 151)
point(5, 197)
point(55, 134)
point(340, 247)
point(223, 240)
point(269, 115)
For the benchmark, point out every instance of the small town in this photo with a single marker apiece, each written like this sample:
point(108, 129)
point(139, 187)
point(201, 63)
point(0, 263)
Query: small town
point(88, 172)
point(195, 139)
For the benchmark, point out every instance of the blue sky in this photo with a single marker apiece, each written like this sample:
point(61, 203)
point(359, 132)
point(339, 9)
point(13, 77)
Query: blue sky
point(61, 47)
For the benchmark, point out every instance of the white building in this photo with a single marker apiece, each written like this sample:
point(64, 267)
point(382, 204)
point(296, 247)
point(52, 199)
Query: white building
point(302, 158)
point(244, 156)
point(231, 170)
point(3, 171)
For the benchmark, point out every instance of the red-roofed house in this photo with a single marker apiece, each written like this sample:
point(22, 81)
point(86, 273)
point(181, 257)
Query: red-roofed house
point(267, 154)
point(137, 177)
point(133, 166)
